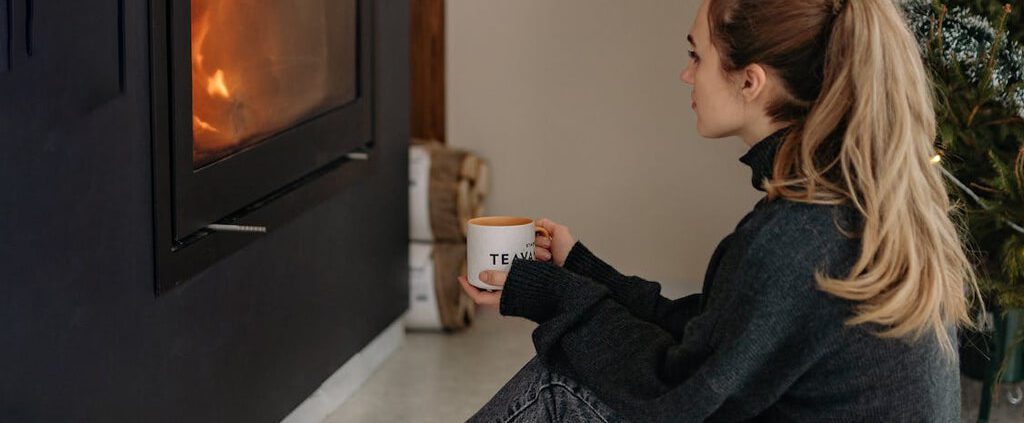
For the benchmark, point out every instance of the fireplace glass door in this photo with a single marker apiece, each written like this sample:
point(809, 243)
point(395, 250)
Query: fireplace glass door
point(261, 95)
point(261, 66)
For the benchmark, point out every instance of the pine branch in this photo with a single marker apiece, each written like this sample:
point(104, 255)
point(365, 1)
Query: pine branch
point(977, 199)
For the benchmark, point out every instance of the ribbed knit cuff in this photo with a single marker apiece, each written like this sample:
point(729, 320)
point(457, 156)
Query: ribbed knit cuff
point(580, 260)
point(529, 290)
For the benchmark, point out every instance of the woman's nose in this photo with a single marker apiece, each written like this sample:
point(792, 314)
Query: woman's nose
point(685, 76)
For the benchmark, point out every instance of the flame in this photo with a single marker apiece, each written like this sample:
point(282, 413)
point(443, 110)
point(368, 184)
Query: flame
point(198, 125)
point(210, 94)
point(216, 85)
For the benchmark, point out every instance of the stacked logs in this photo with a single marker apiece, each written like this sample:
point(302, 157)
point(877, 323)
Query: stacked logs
point(447, 188)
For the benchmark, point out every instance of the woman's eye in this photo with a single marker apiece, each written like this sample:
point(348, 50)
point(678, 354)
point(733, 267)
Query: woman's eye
point(693, 55)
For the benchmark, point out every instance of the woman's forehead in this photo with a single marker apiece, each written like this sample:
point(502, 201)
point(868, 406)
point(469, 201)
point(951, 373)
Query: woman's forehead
point(697, 31)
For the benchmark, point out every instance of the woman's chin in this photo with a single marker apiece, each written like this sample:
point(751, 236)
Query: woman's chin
point(700, 129)
point(710, 133)
point(708, 128)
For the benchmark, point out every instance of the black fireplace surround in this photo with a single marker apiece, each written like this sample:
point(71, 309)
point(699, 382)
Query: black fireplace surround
point(100, 219)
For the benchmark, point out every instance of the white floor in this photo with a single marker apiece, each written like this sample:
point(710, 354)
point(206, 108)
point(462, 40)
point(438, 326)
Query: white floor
point(438, 377)
point(442, 377)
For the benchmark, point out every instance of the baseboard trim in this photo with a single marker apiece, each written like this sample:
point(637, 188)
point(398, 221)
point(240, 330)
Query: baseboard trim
point(349, 377)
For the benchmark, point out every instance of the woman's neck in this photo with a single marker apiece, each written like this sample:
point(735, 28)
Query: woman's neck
point(761, 130)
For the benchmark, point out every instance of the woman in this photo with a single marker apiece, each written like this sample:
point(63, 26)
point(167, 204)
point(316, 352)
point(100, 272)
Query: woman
point(836, 298)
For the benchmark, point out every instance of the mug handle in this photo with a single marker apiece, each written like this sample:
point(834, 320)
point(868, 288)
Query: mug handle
point(541, 230)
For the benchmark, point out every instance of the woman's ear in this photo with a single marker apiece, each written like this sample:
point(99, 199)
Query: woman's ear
point(755, 81)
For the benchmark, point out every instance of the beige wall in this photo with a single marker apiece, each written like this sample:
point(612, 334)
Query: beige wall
point(578, 106)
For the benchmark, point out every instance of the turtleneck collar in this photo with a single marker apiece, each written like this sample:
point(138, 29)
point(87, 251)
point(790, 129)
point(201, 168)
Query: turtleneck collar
point(761, 157)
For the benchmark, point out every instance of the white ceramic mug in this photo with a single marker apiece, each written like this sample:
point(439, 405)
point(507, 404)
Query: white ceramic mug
point(494, 241)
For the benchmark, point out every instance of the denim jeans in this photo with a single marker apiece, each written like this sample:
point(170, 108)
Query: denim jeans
point(535, 394)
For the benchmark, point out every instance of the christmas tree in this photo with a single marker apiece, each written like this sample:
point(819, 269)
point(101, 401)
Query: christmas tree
point(977, 70)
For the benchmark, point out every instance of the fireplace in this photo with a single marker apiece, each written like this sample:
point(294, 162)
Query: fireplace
point(260, 111)
point(100, 180)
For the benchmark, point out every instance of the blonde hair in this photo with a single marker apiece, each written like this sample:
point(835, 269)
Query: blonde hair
point(864, 137)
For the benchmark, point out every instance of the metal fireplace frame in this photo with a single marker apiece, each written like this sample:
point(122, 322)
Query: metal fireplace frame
point(261, 186)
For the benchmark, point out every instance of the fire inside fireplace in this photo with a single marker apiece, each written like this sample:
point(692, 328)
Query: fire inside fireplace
point(260, 67)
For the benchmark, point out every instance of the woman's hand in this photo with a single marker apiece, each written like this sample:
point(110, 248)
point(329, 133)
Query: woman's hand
point(484, 297)
point(557, 248)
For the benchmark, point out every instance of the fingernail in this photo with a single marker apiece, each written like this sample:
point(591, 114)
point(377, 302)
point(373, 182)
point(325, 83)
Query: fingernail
point(483, 276)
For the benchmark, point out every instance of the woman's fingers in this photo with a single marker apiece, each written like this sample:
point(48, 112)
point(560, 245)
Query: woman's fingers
point(482, 297)
point(479, 296)
point(542, 254)
point(542, 241)
point(493, 277)
point(549, 225)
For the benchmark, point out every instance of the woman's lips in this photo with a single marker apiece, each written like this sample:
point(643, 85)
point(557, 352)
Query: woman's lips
point(693, 105)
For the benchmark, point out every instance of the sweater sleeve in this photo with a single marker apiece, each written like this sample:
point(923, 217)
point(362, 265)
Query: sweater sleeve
point(640, 296)
point(733, 361)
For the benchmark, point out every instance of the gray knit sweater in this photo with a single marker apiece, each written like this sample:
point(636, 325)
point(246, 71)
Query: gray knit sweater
point(760, 342)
